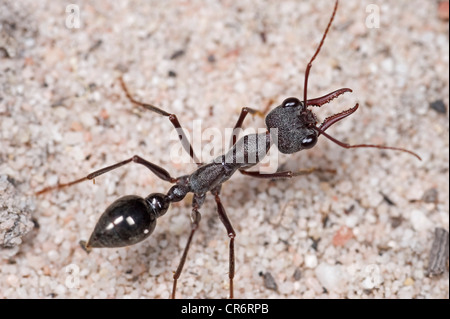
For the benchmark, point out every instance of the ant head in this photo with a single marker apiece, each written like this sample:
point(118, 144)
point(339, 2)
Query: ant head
point(292, 126)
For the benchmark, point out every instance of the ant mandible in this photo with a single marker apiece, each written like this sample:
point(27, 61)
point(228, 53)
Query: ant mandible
point(291, 127)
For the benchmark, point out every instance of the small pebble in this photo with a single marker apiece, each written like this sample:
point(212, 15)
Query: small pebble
point(177, 54)
point(439, 106)
point(430, 196)
point(297, 274)
point(420, 221)
point(408, 281)
point(343, 235)
point(443, 10)
point(12, 280)
point(310, 261)
point(15, 216)
point(269, 281)
point(396, 221)
point(372, 279)
point(330, 276)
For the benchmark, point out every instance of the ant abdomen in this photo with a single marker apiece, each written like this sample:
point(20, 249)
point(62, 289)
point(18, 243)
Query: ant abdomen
point(127, 221)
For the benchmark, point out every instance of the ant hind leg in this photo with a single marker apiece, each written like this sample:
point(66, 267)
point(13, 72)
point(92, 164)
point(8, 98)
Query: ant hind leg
point(157, 170)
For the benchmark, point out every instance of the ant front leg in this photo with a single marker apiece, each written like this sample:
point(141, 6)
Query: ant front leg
point(157, 170)
point(172, 118)
point(242, 116)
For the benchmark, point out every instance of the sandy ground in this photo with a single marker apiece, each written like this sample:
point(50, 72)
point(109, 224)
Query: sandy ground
point(364, 232)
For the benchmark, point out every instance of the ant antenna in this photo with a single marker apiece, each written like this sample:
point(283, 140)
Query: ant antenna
point(308, 67)
point(337, 117)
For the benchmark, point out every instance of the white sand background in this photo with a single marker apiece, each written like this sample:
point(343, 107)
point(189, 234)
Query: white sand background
point(64, 115)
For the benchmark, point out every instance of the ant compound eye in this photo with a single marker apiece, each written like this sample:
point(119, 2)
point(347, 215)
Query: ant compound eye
point(291, 102)
point(309, 141)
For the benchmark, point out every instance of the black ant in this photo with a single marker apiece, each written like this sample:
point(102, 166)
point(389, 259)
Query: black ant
point(291, 127)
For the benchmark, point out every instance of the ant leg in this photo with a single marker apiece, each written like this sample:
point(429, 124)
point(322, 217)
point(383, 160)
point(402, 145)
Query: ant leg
point(195, 220)
point(231, 234)
point(285, 174)
point(242, 116)
point(157, 170)
point(172, 117)
point(327, 98)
